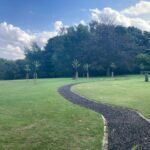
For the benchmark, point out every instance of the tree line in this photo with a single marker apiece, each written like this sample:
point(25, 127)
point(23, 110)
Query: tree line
point(85, 50)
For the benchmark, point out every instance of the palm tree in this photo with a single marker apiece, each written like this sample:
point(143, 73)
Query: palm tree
point(86, 68)
point(113, 67)
point(36, 67)
point(76, 65)
point(27, 69)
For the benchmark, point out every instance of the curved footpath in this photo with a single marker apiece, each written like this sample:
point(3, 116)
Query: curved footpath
point(126, 128)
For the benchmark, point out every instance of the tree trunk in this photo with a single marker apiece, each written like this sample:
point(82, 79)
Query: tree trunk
point(146, 77)
point(112, 74)
point(87, 75)
point(76, 76)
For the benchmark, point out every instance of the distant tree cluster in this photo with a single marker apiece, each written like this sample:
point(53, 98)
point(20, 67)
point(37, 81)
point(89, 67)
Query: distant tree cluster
point(95, 49)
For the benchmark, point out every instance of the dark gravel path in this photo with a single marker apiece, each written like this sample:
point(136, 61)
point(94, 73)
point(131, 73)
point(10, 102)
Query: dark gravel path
point(125, 127)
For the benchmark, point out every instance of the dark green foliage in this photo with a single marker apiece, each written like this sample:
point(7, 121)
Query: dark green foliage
point(99, 45)
point(12, 69)
point(143, 59)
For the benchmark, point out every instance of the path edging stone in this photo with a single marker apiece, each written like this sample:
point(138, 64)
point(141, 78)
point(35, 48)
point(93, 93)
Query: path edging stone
point(105, 137)
point(142, 116)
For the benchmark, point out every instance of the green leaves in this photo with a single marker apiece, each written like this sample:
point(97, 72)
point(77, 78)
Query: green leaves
point(75, 64)
point(144, 61)
point(113, 66)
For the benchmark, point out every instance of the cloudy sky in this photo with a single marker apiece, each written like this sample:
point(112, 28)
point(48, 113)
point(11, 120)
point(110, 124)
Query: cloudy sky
point(24, 22)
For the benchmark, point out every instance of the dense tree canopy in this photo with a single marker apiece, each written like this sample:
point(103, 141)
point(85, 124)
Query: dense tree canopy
point(98, 45)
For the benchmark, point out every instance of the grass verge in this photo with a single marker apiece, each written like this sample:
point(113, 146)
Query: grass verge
point(35, 117)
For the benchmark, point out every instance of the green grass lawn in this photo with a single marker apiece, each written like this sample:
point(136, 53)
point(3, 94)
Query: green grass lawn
point(36, 117)
point(130, 91)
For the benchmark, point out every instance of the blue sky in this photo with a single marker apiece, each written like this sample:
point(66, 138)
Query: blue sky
point(23, 22)
point(38, 15)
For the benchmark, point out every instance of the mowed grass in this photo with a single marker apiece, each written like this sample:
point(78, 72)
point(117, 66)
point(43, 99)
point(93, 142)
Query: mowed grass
point(36, 117)
point(130, 91)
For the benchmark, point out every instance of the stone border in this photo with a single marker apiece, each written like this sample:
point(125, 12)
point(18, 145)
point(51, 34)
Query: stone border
point(142, 116)
point(105, 138)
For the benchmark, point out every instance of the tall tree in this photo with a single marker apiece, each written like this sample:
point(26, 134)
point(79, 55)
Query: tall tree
point(76, 65)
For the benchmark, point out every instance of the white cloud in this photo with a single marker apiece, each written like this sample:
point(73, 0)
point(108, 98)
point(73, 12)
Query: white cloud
point(83, 22)
point(11, 33)
point(58, 25)
point(11, 52)
point(143, 7)
point(42, 37)
point(107, 15)
point(95, 13)
point(14, 39)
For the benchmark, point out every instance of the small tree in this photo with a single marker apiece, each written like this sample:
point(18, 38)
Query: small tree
point(113, 67)
point(36, 68)
point(27, 69)
point(86, 69)
point(76, 65)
